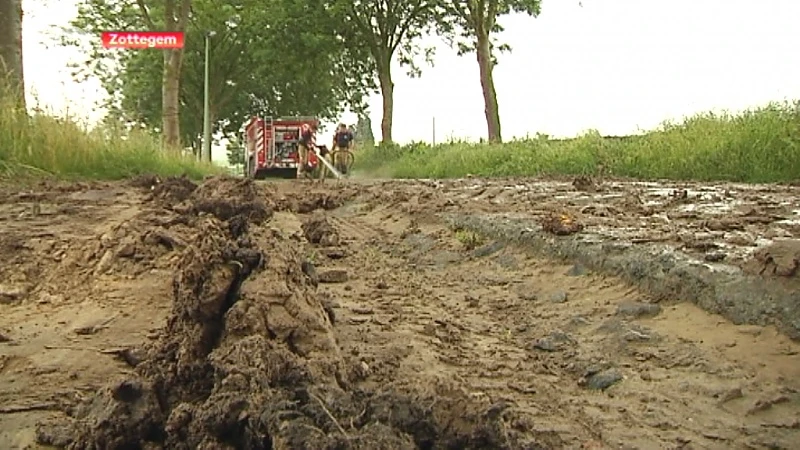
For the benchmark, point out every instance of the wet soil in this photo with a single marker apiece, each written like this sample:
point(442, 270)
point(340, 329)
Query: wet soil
point(389, 315)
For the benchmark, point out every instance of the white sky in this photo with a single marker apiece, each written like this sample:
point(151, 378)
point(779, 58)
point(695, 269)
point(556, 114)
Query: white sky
point(612, 65)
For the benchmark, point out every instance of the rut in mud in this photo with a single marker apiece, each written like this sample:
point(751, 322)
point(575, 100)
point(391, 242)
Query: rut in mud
point(403, 314)
point(249, 359)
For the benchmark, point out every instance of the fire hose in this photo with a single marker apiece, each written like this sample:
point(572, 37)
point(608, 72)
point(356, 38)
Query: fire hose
point(330, 167)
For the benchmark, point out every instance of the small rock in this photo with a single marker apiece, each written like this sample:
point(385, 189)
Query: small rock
point(11, 294)
point(742, 241)
point(558, 297)
point(105, 263)
point(602, 380)
point(362, 310)
point(126, 250)
point(4, 337)
point(715, 257)
point(633, 335)
point(333, 276)
point(362, 370)
point(638, 309)
point(750, 330)
point(729, 394)
point(579, 320)
point(334, 253)
point(554, 342)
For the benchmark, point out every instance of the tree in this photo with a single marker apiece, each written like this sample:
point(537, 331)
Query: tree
point(11, 70)
point(385, 28)
point(267, 58)
point(235, 152)
point(96, 16)
point(363, 130)
point(176, 16)
point(471, 26)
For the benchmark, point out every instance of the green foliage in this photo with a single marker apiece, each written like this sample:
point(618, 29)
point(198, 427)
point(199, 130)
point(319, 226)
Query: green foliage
point(267, 58)
point(761, 145)
point(388, 28)
point(44, 146)
point(363, 131)
point(465, 22)
point(235, 152)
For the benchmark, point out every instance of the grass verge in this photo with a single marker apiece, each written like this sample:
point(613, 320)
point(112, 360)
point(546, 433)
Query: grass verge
point(757, 146)
point(39, 145)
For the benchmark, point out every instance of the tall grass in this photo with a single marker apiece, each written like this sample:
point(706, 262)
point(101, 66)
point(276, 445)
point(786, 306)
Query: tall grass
point(33, 146)
point(760, 145)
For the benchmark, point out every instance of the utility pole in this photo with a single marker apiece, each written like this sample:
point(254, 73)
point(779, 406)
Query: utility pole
point(434, 130)
point(206, 152)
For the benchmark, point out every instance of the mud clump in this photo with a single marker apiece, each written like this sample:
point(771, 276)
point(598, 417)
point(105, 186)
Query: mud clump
point(317, 230)
point(248, 359)
point(561, 224)
point(779, 260)
point(145, 181)
point(176, 369)
point(308, 201)
point(312, 203)
point(172, 189)
point(585, 183)
point(227, 198)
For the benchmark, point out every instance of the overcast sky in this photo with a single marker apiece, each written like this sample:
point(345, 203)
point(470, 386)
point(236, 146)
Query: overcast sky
point(612, 65)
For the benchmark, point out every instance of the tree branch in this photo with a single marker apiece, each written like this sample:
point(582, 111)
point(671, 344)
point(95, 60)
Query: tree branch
point(146, 15)
point(186, 8)
point(491, 17)
point(169, 14)
point(366, 30)
point(410, 20)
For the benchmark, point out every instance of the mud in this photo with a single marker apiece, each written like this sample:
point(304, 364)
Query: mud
point(672, 276)
point(389, 315)
point(257, 366)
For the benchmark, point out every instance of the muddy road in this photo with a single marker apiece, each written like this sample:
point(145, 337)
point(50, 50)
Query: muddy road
point(399, 315)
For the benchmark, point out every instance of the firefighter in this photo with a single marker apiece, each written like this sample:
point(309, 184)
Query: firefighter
point(308, 140)
point(342, 140)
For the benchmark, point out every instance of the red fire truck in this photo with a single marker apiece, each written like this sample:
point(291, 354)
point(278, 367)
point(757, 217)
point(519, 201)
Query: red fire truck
point(271, 146)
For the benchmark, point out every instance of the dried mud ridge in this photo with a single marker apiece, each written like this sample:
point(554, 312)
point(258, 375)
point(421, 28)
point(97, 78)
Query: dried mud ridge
point(765, 292)
point(248, 358)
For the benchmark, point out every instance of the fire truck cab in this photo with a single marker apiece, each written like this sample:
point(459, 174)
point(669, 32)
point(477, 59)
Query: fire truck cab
point(271, 146)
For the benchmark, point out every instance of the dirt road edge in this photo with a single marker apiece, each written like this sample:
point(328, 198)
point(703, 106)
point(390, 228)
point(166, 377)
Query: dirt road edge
point(660, 271)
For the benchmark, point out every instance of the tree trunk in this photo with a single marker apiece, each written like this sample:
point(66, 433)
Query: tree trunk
point(173, 62)
point(170, 99)
point(387, 94)
point(491, 108)
point(11, 69)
